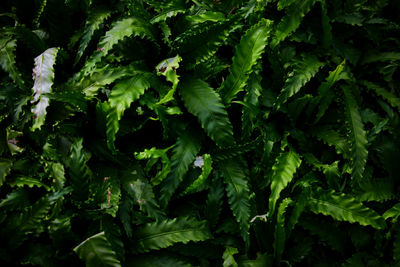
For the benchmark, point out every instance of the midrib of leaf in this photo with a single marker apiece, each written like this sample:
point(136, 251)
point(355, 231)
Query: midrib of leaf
point(95, 251)
point(338, 207)
point(169, 233)
point(242, 66)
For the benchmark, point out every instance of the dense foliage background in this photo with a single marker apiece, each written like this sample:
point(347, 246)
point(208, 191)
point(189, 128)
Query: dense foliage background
point(199, 133)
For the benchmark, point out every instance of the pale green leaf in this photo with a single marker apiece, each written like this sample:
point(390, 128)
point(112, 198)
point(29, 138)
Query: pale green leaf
point(43, 76)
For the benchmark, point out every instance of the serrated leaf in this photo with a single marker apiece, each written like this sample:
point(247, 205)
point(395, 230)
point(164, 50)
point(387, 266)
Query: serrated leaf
point(168, 68)
point(383, 56)
point(96, 251)
point(123, 94)
point(284, 4)
point(93, 22)
point(127, 27)
point(5, 167)
point(28, 181)
point(247, 52)
point(43, 76)
point(206, 16)
point(283, 171)
point(214, 202)
point(393, 100)
point(7, 59)
point(202, 101)
point(142, 194)
point(154, 236)
point(188, 145)
point(78, 171)
point(228, 257)
point(358, 136)
point(17, 199)
point(238, 192)
point(325, 95)
point(292, 20)
point(344, 208)
point(304, 70)
point(393, 212)
point(205, 172)
point(280, 232)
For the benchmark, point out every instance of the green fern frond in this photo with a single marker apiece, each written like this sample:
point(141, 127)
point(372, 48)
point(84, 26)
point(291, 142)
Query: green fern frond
point(247, 52)
point(384, 56)
point(214, 202)
point(294, 14)
point(280, 232)
point(168, 68)
point(187, 147)
point(237, 150)
point(32, 220)
point(228, 257)
point(154, 236)
point(97, 251)
point(5, 167)
point(379, 190)
point(79, 171)
point(358, 136)
point(127, 27)
point(238, 192)
point(392, 99)
point(28, 181)
point(17, 199)
point(153, 155)
point(113, 235)
point(90, 85)
point(282, 4)
point(304, 70)
point(142, 194)
point(326, 26)
point(206, 16)
point(123, 94)
point(93, 22)
point(202, 101)
point(393, 212)
point(344, 208)
point(249, 111)
point(284, 169)
point(326, 96)
point(166, 14)
point(206, 169)
point(7, 59)
point(300, 206)
point(331, 137)
point(202, 46)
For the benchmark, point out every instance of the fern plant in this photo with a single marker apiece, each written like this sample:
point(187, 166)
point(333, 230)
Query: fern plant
point(199, 133)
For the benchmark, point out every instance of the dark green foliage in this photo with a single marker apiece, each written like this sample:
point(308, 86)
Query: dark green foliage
point(199, 133)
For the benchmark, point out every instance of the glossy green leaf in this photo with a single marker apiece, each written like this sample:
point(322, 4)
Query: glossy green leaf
point(344, 208)
point(154, 236)
point(247, 52)
point(96, 251)
point(202, 101)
